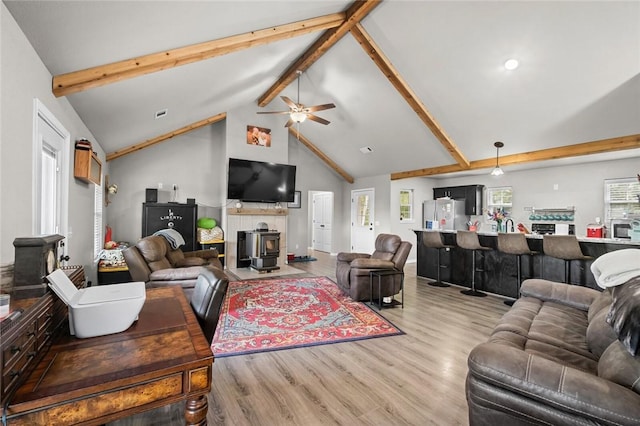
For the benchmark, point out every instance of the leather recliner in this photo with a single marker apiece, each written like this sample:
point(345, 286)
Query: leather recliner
point(155, 262)
point(352, 269)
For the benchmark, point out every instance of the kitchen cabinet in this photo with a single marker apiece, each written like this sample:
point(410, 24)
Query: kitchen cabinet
point(181, 217)
point(472, 195)
point(87, 167)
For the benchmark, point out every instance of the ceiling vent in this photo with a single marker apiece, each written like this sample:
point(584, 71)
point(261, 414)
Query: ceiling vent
point(161, 113)
point(366, 150)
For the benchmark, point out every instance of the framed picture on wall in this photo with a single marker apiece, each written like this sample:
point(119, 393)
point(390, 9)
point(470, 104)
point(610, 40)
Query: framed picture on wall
point(296, 201)
point(258, 136)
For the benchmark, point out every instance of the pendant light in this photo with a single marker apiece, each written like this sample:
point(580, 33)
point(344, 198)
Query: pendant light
point(497, 171)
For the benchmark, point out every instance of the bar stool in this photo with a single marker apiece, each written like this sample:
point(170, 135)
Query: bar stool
point(468, 240)
point(433, 239)
point(515, 243)
point(565, 247)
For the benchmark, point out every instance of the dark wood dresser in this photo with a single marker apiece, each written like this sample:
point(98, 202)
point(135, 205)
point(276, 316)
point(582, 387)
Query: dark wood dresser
point(26, 339)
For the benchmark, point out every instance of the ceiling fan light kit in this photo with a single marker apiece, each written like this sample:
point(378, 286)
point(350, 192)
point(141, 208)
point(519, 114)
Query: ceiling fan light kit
point(298, 113)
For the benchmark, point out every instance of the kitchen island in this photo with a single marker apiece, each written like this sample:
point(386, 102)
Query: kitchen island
point(500, 269)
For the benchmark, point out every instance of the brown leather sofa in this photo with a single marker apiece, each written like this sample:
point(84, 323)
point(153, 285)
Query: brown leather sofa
point(562, 355)
point(352, 269)
point(155, 262)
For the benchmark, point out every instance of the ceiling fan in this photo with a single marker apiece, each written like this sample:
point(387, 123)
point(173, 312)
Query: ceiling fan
point(298, 112)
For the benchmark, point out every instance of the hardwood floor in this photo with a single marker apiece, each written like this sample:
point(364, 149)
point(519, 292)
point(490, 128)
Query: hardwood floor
point(413, 379)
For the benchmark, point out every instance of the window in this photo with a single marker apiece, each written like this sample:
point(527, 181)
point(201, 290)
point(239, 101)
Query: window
point(49, 209)
point(51, 177)
point(621, 198)
point(364, 210)
point(406, 205)
point(500, 199)
point(97, 220)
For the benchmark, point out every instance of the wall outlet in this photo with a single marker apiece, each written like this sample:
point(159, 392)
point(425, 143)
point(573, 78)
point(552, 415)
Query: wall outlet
point(159, 185)
point(555, 186)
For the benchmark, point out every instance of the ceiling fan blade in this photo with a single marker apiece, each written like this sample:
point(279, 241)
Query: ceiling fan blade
point(273, 112)
point(317, 119)
point(289, 102)
point(289, 123)
point(319, 107)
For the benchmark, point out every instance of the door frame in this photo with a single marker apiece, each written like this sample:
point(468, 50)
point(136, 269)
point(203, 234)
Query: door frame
point(43, 117)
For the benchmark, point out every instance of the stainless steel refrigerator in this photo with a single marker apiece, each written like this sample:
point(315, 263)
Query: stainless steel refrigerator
point(444, 214)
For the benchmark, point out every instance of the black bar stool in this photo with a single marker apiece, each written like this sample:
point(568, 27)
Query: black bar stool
point(515, 243)
point(433, 239)
point(468, 240)
point(565, 247)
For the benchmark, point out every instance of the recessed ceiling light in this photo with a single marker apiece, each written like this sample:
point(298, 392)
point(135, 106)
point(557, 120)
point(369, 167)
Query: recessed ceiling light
point(511, 64)
point(366, 150)
point(161, 113)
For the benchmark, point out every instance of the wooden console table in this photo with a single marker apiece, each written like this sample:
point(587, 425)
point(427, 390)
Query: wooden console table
point(161, 359)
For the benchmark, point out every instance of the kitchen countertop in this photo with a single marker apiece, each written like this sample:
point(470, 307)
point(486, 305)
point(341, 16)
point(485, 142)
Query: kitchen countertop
point(625, 241)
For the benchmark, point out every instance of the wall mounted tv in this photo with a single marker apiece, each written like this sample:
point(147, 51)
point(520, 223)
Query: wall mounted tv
point(260, 182)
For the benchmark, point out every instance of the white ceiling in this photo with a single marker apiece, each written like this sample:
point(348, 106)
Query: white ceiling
point(578, 80)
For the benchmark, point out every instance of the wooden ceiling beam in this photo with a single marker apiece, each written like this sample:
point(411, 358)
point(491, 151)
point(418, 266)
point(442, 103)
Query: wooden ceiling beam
point(354, 14)
point(77, 81)
point(387, 68)
point(162, 138)
point(328, 161)
point(586, 148)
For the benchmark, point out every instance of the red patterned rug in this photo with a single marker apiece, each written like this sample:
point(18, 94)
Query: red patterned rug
point(270, 315)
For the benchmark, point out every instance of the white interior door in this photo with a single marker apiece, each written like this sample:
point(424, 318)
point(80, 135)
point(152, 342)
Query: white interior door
point(362, 220)
point(322, 218)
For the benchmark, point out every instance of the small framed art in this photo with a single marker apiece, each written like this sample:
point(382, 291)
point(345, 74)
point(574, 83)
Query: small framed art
point(296, 201)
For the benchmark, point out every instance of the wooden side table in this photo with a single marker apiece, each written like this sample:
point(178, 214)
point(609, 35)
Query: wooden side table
point(385, 273)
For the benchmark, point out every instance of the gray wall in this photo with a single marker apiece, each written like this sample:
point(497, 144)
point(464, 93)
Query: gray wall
point(194, 161)
point(24, 77)
point(313, 175)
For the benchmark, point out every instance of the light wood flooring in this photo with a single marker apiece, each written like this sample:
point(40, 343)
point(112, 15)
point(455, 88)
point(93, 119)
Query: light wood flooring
point(413, 379)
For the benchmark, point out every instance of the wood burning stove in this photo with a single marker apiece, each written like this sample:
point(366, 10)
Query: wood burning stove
point(263, 248)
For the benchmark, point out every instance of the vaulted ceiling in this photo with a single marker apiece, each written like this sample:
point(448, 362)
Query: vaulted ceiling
point(420, 83)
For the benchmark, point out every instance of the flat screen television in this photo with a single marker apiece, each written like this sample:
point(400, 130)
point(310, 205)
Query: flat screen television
point(262, 182)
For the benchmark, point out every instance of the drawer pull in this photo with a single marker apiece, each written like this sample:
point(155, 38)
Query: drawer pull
point(31, 334)
point(14, 349)
point(31, 354)
point(13, 374)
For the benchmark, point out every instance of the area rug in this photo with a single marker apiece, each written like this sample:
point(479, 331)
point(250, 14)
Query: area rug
point(270, 315)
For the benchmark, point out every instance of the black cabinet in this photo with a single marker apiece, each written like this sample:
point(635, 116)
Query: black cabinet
point(181, 217)
point(454, 192)
point(472, 195)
